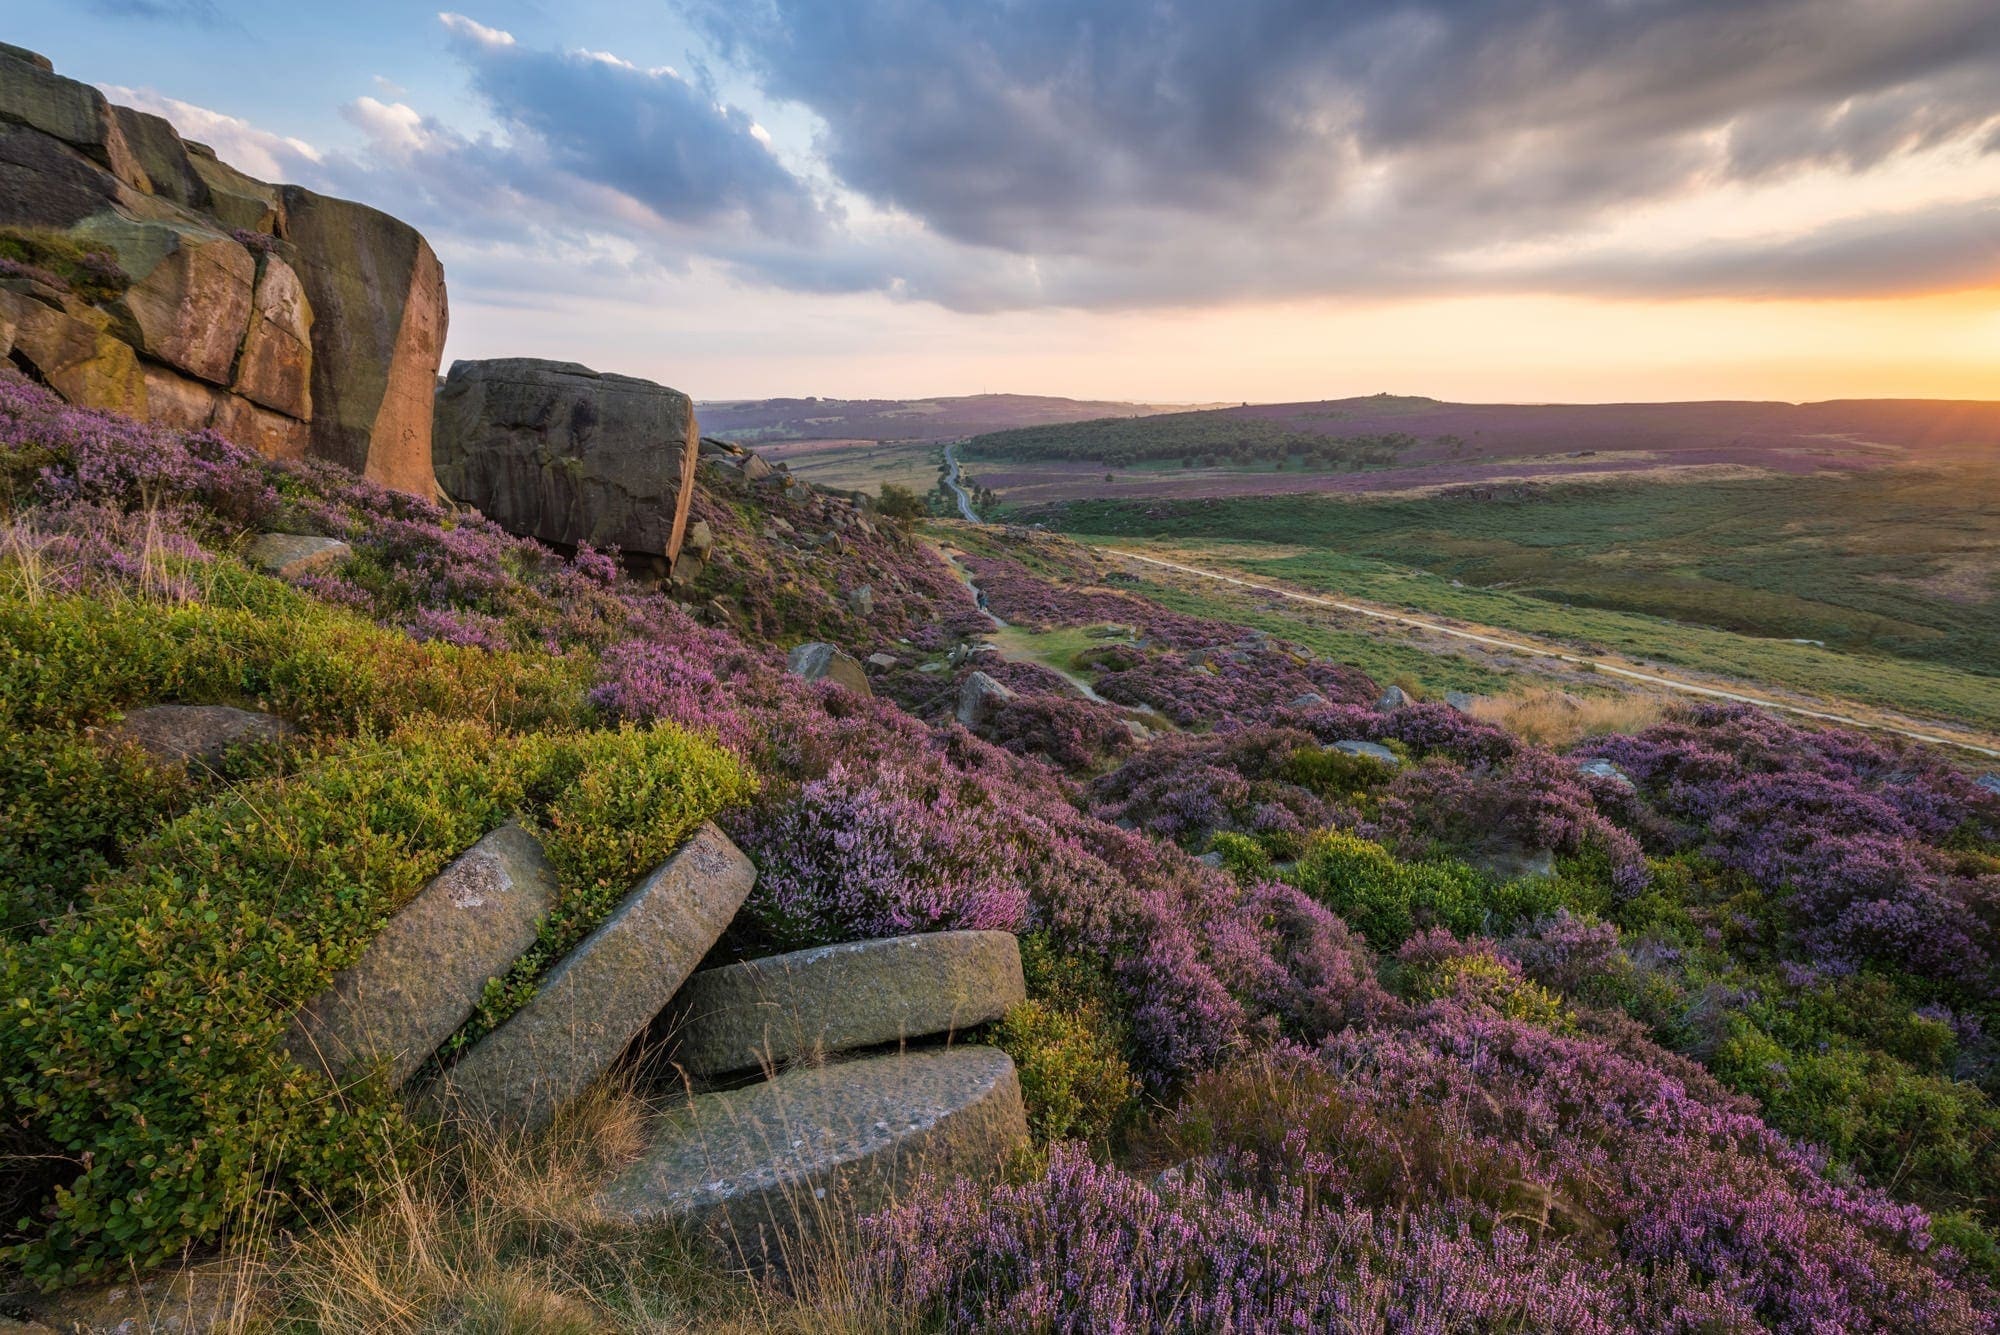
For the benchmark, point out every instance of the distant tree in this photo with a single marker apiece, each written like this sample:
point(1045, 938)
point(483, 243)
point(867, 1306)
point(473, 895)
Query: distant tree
point(899, 502)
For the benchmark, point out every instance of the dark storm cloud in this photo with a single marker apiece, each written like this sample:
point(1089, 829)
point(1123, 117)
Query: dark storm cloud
point(1134, 153)
point(1133, 136)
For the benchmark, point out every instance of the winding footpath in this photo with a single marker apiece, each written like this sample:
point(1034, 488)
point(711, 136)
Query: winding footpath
point(1514, 646)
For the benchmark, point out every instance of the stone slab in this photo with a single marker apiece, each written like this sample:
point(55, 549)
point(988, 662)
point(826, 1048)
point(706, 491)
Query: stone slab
point(776, 1011)
point(1372, 750)
point(824, 662)
point(761, 1166)
point(424, 973)
point(290, 555)
point(596, 1001)
point(204, 734)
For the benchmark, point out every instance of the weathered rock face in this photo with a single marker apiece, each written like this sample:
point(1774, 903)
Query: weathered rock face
point(556, 451)
point(592, 1005)
point(423, 975)
point(761, 1166)
point(771, 1012)
point(319, 335)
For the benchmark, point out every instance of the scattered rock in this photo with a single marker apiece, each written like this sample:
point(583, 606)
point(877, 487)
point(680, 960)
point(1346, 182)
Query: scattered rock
point(1140, 732)
point(198, 734)
point(1372, 750)
point(596, 1001)
point(978, 697)
point(700, 540)
point(777, 1011)
point(930, 667)
point(824, 662)
point(1393, 698)
point(1310, 700)
point(1990, 782)
point(861, 601)
point(423, 974)
point(291, 555)
point(882, 662)
point(758, 1167)
point(559, 452)
point(1604, 769)
point(754, 468)
point(190, 1302)
point(1460, 701)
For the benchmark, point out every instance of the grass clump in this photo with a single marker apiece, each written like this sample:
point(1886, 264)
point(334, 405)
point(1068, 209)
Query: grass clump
point(1388, 900)
point(91, 272)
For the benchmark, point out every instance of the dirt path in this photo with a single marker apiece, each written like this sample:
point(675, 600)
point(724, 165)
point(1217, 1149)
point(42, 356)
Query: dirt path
point(1518, 646)
point(951, 480)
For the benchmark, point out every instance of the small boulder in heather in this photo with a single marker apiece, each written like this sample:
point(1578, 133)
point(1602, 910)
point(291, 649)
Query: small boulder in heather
point(859, 994)
point(758, 1167)
point(1370, 750)
point(295, 555)
point(1990, 782)
point(824, 662)
point(1605, 770)
point(424, 974)
point(979, 697)
point(198, 734)
point(1392, 699)
point(592, 1005)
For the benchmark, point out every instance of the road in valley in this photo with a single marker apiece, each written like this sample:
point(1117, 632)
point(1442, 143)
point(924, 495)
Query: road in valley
point(951, 480)
point(1510, 645)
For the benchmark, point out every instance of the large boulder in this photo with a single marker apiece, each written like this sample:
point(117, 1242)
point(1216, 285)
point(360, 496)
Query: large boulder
point(377, 295)
point(776, 1011)
point(596, 1001)
point(424, 973)
point(759, 1167)
point(819, 661)
point(979, 697)
point(560, 452)
point(338, 318)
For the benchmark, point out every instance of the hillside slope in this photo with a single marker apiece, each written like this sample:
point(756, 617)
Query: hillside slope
point(1422, 1017)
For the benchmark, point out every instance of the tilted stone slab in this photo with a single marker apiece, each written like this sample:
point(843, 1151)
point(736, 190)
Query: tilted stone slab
point(763, 1165)
point(774, 1011)
point(597, 1000)
point(421, 977)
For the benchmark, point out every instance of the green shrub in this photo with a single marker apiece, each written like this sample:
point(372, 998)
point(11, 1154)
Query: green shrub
point(1486, 981)
point(1335, 774)
point(70, 662)
point(69, 805)
point(140, 1041)
point(1242, 856)
point(1388, 900)
point(1074, 1079)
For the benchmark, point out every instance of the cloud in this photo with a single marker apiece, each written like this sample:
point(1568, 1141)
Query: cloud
point(258, 152)
point(1159, 151)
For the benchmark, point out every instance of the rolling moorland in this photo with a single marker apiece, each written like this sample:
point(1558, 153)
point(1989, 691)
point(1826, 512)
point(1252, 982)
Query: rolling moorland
point(1869, 570)
point(1343, 1007)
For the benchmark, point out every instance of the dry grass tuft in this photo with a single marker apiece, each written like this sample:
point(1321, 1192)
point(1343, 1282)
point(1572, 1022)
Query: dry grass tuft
point(495, 1235)
point(1550, 717)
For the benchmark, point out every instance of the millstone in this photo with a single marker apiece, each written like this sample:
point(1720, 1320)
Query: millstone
point(594, 1003)
point(760, 1167)
point(422, 976)
point(769, 1012)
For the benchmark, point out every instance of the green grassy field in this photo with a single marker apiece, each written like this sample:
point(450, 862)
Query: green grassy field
point(1897, 573)
point(864, 466)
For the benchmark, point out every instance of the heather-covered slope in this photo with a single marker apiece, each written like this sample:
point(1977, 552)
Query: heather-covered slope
point(1724, 1067)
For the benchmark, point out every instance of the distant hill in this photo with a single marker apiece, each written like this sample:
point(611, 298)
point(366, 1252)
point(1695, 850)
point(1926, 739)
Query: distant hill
point(751, 420)
point(1420, 430)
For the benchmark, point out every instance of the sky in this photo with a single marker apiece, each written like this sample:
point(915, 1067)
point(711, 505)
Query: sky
point(1161, 200)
